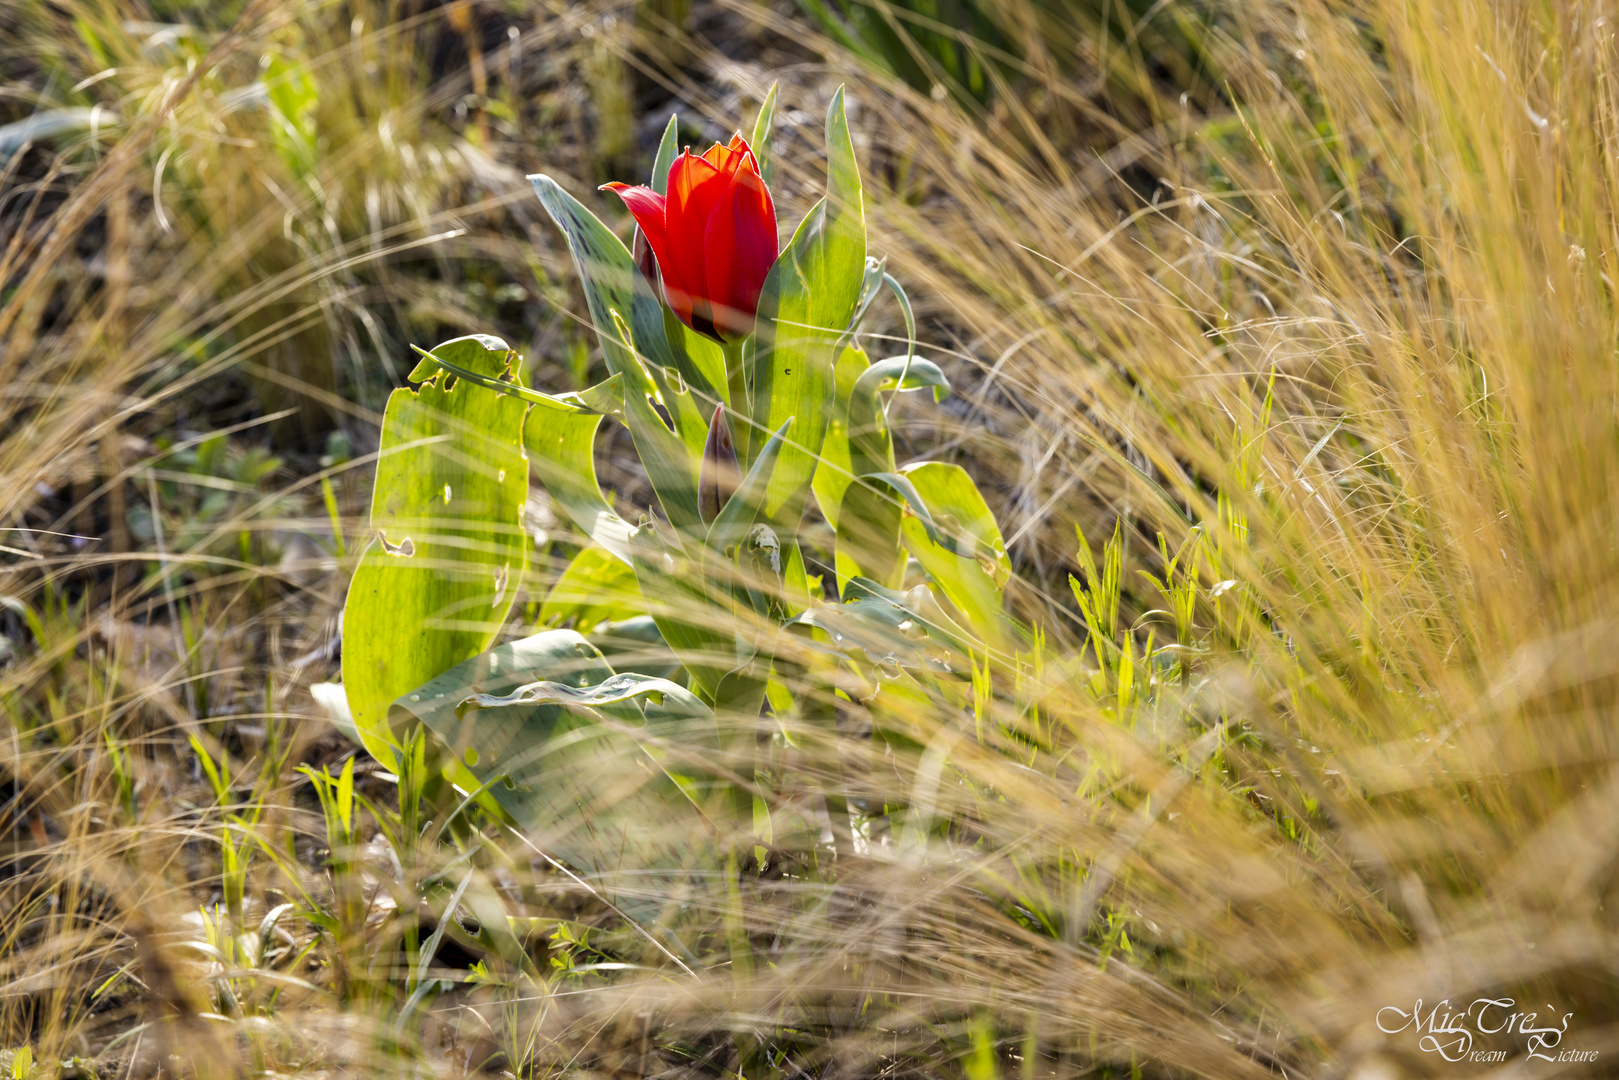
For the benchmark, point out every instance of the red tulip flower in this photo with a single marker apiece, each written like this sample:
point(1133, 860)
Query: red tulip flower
point(713, 236)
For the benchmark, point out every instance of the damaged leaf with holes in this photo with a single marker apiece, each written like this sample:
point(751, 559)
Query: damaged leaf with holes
point(437, 581)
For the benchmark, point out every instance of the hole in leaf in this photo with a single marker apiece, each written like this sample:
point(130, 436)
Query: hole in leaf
point(500, 585)
point(446, 494)
point(663, 413)
point(471, 756)
point(404, 549)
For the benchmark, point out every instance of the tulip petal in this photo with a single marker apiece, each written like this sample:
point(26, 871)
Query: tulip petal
point(695, 185)
point(645, 204)
point(733, 156)
point(649, 209)
point(727, 158)
point(741, 247)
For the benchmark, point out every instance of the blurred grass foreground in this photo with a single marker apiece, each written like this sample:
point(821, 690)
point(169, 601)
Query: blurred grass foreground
point(1283, 345)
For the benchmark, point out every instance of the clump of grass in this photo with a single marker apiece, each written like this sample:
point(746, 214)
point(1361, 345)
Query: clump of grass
point(1314, 722)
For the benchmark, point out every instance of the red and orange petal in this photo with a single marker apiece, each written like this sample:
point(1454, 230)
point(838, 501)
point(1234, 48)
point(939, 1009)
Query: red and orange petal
point(695, 185)
point(729, 158)
point(740, 249)
point(648, 209)
point(647, 206)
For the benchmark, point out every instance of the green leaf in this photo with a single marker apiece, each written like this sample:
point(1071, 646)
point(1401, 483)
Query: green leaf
point(909, 499)
point(534, 715)
point(626, 686)
point(763, 126)
point(436, 584)
point(670, 390)
point(597, 587)
point(560, 437)
point(629, 320)
point(832, 472)
point(693, 597)
point(741, 564)
point(807, 302)
point(344, 799)
point(971, 566)
point(699, 360)
point(668, 149)
point(606, 397)
point(693, 618)
point(908, 630)
point(795, 581)
point(636, 644)
point(868, 521)
point(745, 505)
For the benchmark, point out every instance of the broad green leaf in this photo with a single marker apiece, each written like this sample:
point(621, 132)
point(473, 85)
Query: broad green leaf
point(606, 398)
point(742, 691)
point(742, 565)
point(438, 580)
point(795, 581)
point(693, 616)
point(908, 499)
point(680, 406)
point(832, 472)
point(752, 575)
point(970, 564)
point(868, 521)
point(636, 644)
point(579, 787)
point(868, 533)
point(597, 587)
point(887, 627)
point(747, 503)
point(693, 599)
point(699, 360)
point(613, 690)
point(806, 304)
point(560, 437)
point(763, 126)
point(629, 321)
